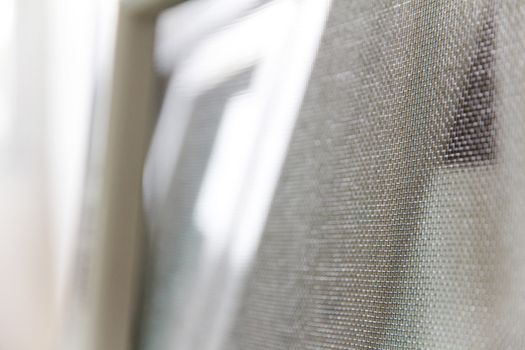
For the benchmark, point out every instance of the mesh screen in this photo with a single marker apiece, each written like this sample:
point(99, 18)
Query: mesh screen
point(397, 220)
point(396, 223)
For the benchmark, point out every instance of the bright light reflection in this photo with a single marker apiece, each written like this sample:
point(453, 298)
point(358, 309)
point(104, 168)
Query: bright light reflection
point(7, 17)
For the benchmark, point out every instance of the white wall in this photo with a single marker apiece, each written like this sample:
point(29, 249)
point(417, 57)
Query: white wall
point(47, 55)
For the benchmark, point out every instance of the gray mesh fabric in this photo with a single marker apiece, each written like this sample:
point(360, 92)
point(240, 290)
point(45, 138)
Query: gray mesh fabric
point(397, 222)
point(398, 219)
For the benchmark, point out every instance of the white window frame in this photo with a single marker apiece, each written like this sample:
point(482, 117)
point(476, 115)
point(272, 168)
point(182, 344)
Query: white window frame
point(114, 276)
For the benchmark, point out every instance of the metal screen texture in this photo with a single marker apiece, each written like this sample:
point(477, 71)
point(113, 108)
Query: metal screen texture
point(397, 221)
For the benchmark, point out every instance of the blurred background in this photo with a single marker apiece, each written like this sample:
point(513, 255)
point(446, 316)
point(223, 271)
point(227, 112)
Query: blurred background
point(51, 59)
point(136, 172)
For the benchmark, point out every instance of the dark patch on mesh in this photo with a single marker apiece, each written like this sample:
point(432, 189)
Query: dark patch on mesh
point(472, 134)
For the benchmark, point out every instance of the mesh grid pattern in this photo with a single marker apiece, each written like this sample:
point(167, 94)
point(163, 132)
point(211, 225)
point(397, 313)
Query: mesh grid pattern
point(398, 219)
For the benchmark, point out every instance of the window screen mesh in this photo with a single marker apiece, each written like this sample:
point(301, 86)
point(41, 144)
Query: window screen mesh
point(397, 222)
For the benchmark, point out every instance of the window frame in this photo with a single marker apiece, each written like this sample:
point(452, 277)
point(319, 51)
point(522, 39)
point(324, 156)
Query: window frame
point(116, 256)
